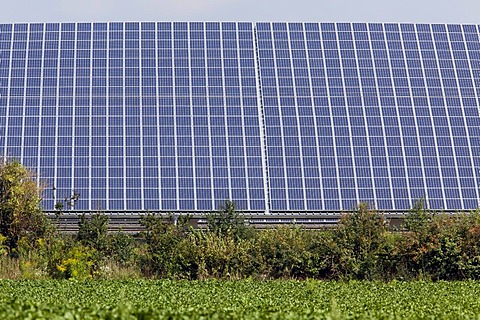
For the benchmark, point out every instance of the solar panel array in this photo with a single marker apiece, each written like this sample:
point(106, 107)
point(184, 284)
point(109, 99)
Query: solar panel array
point(278, 117)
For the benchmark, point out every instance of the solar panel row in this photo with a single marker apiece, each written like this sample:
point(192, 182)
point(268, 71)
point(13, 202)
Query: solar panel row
point(276, 116)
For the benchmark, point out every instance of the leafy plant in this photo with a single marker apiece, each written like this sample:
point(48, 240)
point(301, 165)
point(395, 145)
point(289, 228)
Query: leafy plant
point(246, 299)
point(165, 243)
point(228, 221)
point(78, 264)
point(93, 231)
point(359, 242)
point(21, 215)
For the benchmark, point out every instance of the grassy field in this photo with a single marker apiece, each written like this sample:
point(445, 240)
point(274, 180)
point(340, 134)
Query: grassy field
point(134, 299)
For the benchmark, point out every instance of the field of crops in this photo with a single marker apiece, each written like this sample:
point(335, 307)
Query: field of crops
point(135, 299)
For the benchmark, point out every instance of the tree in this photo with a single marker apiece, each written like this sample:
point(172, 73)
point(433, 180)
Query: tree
point(228, 221)
point(21, 214)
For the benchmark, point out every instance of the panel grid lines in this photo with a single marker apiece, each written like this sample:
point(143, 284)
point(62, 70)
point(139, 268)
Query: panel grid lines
point(244, 133)
point(210, 135)
point(469, 144)
point(38, 172)
point(317, 204)
point(393, 189)
point(373, 200)
point(142, 172)
point(333, 202)
point(227, 142)
point(278, 117)
point(442, 187)
point(354, 162)
point(424, 193)
point(261, 121)
point(56, 185)
point(301, 192)
point(283, 184)
point(449, 115)
point(385, 198)
point(159, 179)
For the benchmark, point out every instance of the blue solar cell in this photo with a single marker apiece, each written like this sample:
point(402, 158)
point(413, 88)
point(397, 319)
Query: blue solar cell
point(413, 89)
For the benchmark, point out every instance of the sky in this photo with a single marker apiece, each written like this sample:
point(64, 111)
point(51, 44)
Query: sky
point(420, 11)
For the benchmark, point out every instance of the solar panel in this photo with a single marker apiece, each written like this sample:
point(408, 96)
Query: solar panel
point(136, 116)
point(278, 117)
point(378, 113)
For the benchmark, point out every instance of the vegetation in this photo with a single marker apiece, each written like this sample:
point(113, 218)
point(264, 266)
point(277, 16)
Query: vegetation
point(21, 216)
point(139, 299)
point(430, 246)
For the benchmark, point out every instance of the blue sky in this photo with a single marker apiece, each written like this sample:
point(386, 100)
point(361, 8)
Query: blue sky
point(428, 11)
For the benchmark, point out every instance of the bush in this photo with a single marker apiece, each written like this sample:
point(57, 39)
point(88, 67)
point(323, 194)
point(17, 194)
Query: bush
point(359, 244)
point(21, 215)
point(427, 248)
point(284, 252)
point(469, 234)
point(78, 263)
point(40, 259)
point(164, 243)
point(121, 248)
point(219, 256)
point(93, 231)
point(227, 221)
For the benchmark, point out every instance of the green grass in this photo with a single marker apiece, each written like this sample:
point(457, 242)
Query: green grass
point(133, 299)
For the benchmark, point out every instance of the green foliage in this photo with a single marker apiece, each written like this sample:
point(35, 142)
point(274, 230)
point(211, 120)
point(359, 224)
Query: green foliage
point(430, 246)
point(3, 246)
point(21, 215)
point(285, 252)
point(78, 263)
point(166, 242)
point(121, 248)
point(419, 218)
point(442, 247)
point(228, 221)
point(359, 244)
point(40, 259)
point(66, 203)
point(64, 257)
point(247, 299)
point(93, 231)
point(219, 256)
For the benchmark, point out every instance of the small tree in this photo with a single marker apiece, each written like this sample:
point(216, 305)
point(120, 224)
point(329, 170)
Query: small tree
point(359, 242)
point(228, 221)
point(93, 231)
point(21, 215)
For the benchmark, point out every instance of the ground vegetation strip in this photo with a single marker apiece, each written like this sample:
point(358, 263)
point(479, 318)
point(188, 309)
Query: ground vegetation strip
point(363, 246)
point(246, 299)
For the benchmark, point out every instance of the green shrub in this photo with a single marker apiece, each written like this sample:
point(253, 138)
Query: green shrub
point(219, 256)
point(21, 215)
point(429, 246)
point(469, 234)
point(40, 259)
point(121, 248)
point(284, 252)
point(439, 246)
point(93, 231)
point(228, 221)
point(78, 263)
point(165, 241)
point(117, 247)
point(359, 244)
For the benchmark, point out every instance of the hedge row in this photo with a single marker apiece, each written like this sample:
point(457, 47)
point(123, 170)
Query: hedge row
point(428, 246)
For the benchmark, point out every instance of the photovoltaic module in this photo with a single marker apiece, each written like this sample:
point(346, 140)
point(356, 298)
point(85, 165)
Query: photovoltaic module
point(278, 117)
